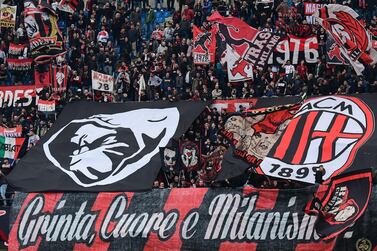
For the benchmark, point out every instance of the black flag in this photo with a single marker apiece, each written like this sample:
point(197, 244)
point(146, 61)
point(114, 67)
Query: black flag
point(104, 147)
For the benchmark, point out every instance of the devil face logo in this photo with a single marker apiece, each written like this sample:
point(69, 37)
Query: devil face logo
point(202, 41)
point(107, 148)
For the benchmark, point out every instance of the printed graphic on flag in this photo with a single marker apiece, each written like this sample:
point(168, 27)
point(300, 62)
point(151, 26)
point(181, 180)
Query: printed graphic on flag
point(10, 147)
point(327, 132)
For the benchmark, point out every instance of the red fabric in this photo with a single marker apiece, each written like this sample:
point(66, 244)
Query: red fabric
point(189, 14)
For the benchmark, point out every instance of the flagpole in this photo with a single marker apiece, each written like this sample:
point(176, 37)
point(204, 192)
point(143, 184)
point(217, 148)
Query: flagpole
point(91, 75)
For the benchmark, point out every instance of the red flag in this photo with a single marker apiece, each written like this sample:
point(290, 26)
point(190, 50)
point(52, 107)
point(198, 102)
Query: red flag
point(42, 79)
point(252, 47)
point(59, 75)
point(68, 5)
point(204, 45)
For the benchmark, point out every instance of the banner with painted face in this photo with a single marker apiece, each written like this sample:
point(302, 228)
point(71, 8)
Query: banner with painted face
point(333, 132)
point(341, 203)
point(254, 133)
point(104, 147)
point(265, 114)
point(170, 157)
point(46, 40)
point(179, 219)
point(190, 155)
point(8, 15)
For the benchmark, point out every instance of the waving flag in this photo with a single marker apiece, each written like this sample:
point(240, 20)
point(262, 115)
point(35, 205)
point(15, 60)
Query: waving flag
point(253, 46)
point(350, 34)
point(341, 203)
point(68, 5)
point(10, 147)
point(333, 132)
point(46, 40)
point(204, 45)
point(59, 77)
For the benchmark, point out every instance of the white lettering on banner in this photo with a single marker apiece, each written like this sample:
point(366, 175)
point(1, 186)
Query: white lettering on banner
point(311, 8)
point(201, 58)
point(225, 216)
point(296, 49)
point(262, 46)
point(230, 217)
point(11, 97)
point(126, 223)
point(55, 227)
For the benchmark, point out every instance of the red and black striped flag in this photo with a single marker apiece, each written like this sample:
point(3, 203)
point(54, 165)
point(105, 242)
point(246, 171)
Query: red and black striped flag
point(46, 40)
point(333, 132)
point(59, 77)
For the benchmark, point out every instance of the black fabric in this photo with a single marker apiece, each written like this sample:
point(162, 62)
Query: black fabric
point(91, 142)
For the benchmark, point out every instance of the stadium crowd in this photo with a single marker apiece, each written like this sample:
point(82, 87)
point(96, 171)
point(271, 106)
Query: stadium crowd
point(139, 41)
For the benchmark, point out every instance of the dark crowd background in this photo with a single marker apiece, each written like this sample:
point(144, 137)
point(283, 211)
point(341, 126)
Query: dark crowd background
point(137, 39)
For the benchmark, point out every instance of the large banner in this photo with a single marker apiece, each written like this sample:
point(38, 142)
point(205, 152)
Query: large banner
point(350, 34)
point(102, 82)
point(204, 50)
point(104, 147)
point(254, 134)
point(253, 46)
point(178, 219)
point(46, 40)
point(13, 95)
point(296, 49)
point(332, 132)
point(8, 15)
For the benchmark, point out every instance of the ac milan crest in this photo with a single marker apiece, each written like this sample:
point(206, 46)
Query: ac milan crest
point(326, 131)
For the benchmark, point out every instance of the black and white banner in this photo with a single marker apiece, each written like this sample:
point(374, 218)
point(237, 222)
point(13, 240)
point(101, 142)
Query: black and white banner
point(104, 147)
